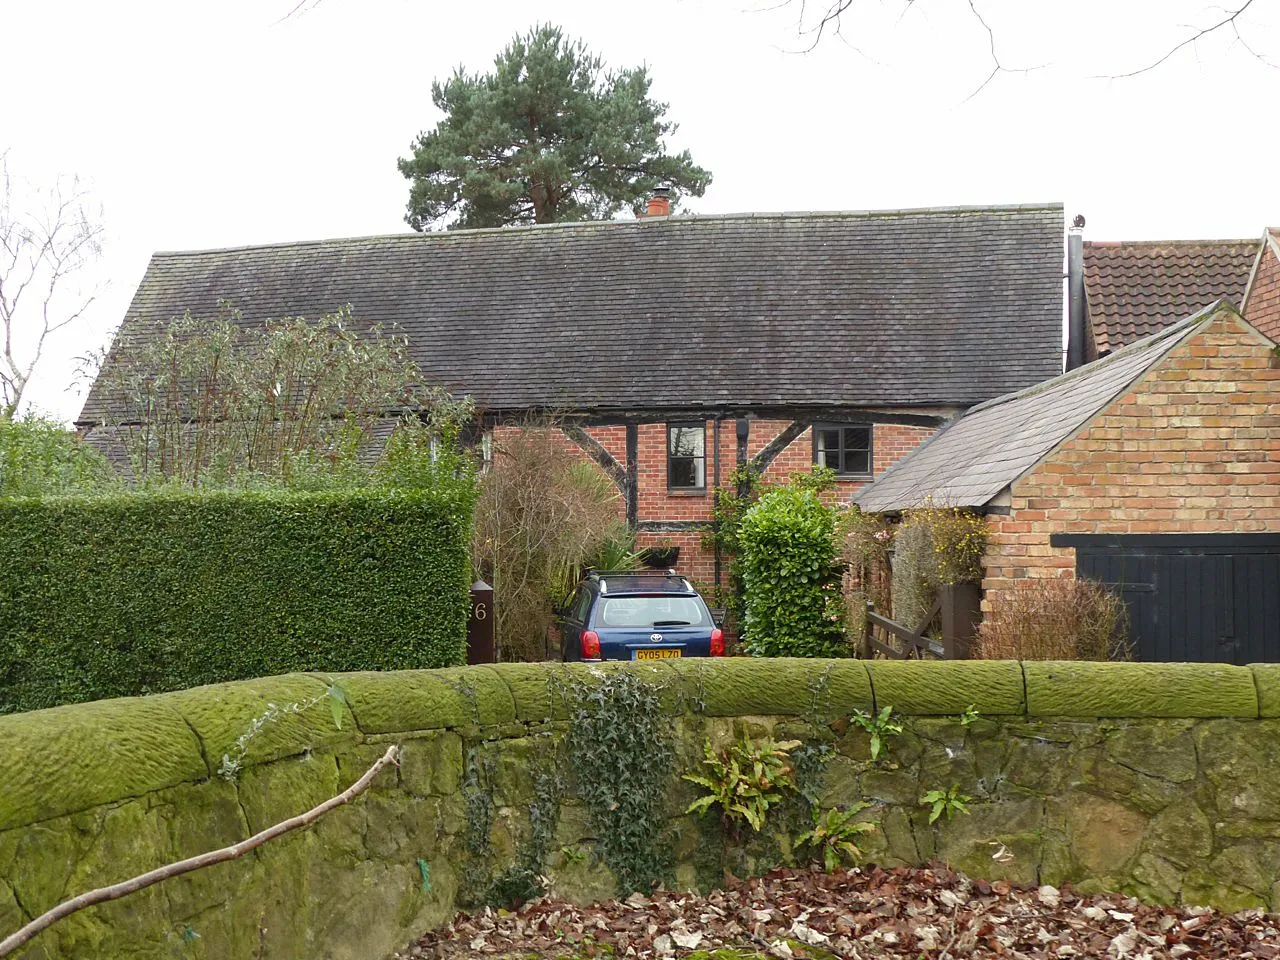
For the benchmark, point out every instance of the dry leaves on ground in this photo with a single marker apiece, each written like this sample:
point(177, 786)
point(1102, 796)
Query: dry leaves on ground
point(868, 914)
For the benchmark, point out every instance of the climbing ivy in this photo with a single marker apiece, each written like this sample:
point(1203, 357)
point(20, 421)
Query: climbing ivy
point(622, 754)
point(524, 879)
point(478, 803)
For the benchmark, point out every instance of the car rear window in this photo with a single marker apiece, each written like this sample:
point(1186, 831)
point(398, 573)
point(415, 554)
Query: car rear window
point(651, 611)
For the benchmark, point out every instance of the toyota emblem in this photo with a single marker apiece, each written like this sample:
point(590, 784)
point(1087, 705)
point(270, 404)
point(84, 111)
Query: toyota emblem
point(655, 638)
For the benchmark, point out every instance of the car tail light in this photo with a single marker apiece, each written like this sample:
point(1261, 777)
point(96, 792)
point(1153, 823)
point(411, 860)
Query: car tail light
point(590, 645)
point(717, 642)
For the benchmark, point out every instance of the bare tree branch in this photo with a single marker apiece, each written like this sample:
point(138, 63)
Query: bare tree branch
point(126, 887)
point(1229, 20)
point(41, 250)
point(830, 22)
point(997, 67)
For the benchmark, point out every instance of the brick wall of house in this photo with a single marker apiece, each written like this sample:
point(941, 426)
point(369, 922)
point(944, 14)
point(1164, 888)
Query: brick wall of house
point(890, 442)
point(1263, 308)
point(1194, 447)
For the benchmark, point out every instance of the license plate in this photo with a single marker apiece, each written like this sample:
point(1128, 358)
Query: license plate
point(665, 654)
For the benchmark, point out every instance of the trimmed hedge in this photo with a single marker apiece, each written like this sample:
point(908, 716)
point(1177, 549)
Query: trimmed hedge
point(790, 577)
point(138, 593)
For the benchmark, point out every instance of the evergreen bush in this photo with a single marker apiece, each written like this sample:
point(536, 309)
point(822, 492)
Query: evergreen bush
point(791, 577)
point(132, 593)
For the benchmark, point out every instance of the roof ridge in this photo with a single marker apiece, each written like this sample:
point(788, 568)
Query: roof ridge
point(648, 222)
point(1120, 244)
point(1173, 331)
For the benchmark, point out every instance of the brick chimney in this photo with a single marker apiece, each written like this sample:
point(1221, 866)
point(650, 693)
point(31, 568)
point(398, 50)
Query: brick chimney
point(659, 203)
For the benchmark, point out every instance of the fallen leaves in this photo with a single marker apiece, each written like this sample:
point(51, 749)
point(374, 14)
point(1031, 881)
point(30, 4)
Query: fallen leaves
point(867, 914)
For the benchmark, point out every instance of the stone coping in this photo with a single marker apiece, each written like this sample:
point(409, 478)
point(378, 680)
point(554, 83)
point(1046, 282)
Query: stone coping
point(62, 760)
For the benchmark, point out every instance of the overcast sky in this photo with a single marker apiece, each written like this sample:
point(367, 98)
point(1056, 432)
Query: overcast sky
point(221, 124)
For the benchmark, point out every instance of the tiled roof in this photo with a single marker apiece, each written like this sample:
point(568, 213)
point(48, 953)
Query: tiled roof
point(943, 307)
point(1134, 289)
point(975, 457)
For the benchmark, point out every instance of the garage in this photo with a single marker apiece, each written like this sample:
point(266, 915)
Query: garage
point(1155, 471)
point(1213, 597)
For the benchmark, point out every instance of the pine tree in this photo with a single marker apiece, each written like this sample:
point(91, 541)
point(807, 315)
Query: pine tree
point(548, 135)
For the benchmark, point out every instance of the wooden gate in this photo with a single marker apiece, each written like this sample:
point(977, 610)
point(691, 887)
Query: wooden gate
point(958, 612)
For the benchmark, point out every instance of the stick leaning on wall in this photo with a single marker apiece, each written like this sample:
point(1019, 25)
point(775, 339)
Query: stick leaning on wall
point(126, 887)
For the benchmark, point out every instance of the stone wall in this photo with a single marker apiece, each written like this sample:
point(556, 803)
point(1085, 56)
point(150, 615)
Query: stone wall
point(1160, 780)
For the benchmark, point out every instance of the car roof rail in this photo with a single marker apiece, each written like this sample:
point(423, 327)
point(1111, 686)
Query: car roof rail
point(594, 574)
point(669, 574)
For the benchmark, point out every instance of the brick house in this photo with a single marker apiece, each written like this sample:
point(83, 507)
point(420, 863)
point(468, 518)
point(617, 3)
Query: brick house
point(1132, 289)
point(679, 347)
point(1153, 469)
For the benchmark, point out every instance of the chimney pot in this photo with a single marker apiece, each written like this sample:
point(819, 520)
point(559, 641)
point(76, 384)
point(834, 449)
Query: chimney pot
point(659, 203)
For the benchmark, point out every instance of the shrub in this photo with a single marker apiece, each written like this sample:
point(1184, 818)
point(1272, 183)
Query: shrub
point(866, 543)
point(933, 547)
point(132, 593)
point(42, 458)
point(212, 401)
point(1056, 620)
point(542, 517)
point(915, 575)
point(791, 578)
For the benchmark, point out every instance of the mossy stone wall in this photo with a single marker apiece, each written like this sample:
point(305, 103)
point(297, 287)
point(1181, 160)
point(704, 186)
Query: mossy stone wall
point(1161, 781)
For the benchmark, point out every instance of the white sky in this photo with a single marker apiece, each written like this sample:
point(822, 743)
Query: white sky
point(219, 124)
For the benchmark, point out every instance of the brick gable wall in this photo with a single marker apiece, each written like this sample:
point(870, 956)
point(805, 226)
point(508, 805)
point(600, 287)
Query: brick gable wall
point(1263, 308)
point(1194, 447)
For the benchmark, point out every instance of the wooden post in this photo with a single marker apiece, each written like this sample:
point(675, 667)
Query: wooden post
point(867, 627)
point(633, 475)
point(961, 614)
point(480, 647)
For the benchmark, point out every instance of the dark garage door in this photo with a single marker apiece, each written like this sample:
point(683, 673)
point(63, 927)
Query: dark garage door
point(1212, 597)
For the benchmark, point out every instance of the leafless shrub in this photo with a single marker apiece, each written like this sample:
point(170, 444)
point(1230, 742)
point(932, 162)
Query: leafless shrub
point(211, 401)
point(1056, 620)
point(543, 514)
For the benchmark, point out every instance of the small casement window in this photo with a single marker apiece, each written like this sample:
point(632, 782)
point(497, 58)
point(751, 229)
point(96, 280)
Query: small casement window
point(844, 448)
point(686, 456)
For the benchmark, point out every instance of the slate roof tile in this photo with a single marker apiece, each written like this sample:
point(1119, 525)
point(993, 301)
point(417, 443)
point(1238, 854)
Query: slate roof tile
point(905, 308)
point(982, 452)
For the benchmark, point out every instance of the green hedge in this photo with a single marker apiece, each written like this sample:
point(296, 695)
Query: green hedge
point(133, 593)
point(790, 577)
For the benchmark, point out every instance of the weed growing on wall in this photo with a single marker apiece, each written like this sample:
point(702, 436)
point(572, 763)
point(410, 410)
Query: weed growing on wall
point(809, 760)
point(622, 754)
point(950, 801)
point(835, 833)
point(232, 762)
point(745, 780)
point(525, 879)
point(880, 726)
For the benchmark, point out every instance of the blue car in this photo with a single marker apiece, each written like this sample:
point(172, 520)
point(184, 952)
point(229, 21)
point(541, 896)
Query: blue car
point(638, 615)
